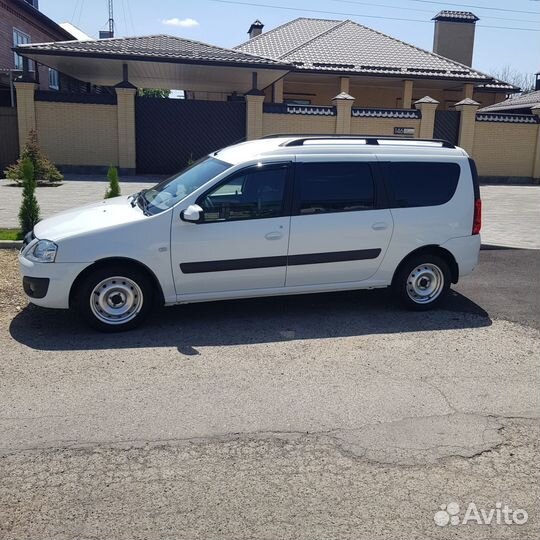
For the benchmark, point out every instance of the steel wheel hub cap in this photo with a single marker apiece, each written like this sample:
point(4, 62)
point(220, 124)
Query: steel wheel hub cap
point(116, 300)
point(425, 283)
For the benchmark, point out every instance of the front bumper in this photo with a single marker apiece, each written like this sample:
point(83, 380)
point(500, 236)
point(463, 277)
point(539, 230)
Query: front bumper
point(49, 284)
point(35, 287)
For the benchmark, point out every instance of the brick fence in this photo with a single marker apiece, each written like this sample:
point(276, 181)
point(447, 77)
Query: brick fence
point(82, 132)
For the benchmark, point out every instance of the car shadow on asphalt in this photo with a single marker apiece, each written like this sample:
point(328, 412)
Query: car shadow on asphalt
point(238, 322)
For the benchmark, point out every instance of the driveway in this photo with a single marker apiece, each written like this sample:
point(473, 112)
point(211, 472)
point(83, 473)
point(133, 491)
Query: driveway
point(313, 417)
point(511, 216)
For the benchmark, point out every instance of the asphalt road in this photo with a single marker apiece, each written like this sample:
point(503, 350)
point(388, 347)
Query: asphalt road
point(316, 417)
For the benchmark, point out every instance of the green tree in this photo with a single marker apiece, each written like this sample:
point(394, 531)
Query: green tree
point(114, 184)
point(44, 171)
point(29, 211)
point(154, 92)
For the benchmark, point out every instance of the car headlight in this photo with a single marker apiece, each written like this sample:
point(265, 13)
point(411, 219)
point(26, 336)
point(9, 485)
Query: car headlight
point(43, 251)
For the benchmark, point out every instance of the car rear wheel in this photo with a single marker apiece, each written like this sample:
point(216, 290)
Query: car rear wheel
point(114, 298)
point(422, 282)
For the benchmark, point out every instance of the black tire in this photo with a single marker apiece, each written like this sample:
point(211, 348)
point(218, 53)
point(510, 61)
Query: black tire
point(122, 282)
point(431, 269)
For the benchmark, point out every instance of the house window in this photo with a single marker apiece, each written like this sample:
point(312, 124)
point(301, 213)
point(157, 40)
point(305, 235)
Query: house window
point(298, 101)
point(54, 83)
point(19, 38)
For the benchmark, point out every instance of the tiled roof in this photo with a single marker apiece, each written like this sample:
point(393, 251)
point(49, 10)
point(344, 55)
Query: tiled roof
point(456, 16)
point(346, 46)
point(283, 39)
point(159, 47)
point(499, 85)
point(525, 101)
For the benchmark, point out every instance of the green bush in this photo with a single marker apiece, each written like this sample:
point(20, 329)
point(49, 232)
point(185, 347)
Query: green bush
point(29, 211)
point(114, 184)
point(44, 171)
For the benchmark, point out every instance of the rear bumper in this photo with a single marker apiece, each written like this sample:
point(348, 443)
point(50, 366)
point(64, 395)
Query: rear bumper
point(49, 284)
point(466, 251)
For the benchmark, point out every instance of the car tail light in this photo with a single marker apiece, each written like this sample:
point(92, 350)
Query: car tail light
point(477, 218)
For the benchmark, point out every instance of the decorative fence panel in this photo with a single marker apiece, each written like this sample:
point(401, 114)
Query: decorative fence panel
point(9, 138)
point(389, 122)
point(447, 126)
point(172, 132)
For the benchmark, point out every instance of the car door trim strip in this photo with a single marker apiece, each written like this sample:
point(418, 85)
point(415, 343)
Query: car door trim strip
point(281, 260)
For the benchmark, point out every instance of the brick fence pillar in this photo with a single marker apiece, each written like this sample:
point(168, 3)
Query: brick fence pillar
point(125, 110)
point(26, 110)
point(536, 160)
point(343, 103)
point(427, 107)
point(254, 115)
point(467, 122)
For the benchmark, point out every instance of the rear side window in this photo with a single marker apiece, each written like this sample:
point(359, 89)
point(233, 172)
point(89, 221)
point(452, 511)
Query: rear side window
point(412, 184)
point(333, 187)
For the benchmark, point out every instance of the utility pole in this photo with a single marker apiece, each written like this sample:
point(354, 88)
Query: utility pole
point(110, 32)
point(111, 18)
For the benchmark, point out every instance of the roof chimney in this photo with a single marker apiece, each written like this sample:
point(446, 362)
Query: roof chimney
point(537, 81)
point(454, 35)
point(255, 29)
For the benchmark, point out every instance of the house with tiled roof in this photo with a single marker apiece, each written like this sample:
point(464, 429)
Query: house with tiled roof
point(522, 104)
point(330, 56)
point(308, 76)
point(22, 22)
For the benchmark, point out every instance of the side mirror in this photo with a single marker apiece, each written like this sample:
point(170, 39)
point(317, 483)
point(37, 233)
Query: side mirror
point(192, 214)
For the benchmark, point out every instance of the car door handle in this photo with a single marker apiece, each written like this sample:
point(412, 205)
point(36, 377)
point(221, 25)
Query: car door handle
point(276, 235)
point(379, 226)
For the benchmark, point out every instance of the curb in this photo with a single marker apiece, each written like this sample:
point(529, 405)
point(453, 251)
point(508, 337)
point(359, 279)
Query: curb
point(10, 244)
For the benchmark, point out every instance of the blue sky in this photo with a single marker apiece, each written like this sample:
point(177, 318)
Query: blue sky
point(226, 24)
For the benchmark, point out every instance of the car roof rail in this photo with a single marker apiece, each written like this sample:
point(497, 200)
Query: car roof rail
point(299, 140)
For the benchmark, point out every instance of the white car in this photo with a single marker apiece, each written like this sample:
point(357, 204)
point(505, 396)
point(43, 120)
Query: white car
point(280, 215)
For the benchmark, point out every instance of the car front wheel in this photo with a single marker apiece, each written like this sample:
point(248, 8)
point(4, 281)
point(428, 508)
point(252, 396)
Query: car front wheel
point(422, 282)
point(114, 298)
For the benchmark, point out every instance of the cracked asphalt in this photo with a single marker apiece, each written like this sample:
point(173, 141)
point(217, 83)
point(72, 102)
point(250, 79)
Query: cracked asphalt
point(314, 417)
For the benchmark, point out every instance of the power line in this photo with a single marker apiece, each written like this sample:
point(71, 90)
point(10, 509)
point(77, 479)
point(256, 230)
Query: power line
point(288, 8)
point(80, 13)
point(131, 17)
point(423, 10)
point(72, 20)
point(475, 6)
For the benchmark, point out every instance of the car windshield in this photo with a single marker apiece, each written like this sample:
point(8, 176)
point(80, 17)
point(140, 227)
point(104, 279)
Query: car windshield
point(167, 193)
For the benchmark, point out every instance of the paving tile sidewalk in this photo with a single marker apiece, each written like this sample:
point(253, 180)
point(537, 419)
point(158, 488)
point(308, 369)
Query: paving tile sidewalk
point(511, 214)
point(75, 191)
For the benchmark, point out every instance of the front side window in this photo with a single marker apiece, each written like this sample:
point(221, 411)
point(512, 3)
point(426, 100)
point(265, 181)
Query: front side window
point(167, 193)
point(414, 184)
point(19, 38)
point(255, 193)
point(324, 187)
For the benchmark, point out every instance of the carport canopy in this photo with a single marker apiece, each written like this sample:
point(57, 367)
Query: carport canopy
point(159, 61)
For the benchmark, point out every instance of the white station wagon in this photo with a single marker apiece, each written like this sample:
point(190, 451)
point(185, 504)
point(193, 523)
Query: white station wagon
point(280, 215)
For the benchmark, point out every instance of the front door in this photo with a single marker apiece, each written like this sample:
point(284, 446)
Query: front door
point(241, 242)
point(338, 234)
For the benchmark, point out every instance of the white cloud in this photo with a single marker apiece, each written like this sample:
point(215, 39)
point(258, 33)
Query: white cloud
point(186, 23)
